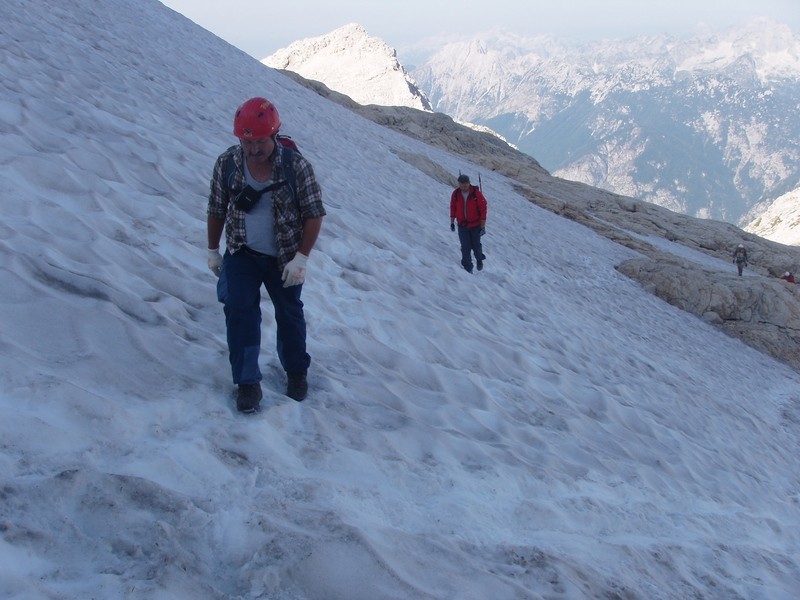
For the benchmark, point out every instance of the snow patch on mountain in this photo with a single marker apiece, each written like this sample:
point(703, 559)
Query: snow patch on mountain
point(780, 221)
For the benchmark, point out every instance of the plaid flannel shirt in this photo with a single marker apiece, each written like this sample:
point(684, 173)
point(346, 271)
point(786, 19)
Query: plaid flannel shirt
point(288, 220)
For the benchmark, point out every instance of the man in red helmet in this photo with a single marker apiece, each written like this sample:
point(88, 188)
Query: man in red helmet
point(270, 228)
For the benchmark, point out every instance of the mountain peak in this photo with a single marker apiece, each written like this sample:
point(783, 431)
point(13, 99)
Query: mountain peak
point(352, 62)
point(350, 29)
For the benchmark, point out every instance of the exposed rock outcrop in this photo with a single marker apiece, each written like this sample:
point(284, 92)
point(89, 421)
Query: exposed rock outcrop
point(763, 312)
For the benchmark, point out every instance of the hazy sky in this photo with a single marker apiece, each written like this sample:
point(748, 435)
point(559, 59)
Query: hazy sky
point(261, 28)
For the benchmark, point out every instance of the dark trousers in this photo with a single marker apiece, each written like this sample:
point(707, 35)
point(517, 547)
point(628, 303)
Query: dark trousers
point(470, 238)
point(239, 289)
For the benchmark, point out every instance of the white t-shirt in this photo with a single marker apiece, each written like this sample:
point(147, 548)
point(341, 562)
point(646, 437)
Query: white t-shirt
point(259, 222)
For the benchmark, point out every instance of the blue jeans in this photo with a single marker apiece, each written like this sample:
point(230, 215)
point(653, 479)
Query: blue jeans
point(470, 238)
point(239, 289)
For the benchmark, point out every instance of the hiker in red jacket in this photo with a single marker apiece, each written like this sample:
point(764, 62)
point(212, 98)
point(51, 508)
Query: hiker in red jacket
point(468, 209)
point(788, 277)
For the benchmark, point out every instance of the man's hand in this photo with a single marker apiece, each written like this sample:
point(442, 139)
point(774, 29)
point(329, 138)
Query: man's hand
point(294, 273)
point(215, 261)
point(483, 230)
point(452, 226)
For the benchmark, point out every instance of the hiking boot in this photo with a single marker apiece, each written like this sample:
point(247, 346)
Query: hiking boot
point(297, 386)
point(480, 265)
point(468, 269)
point(248, 397)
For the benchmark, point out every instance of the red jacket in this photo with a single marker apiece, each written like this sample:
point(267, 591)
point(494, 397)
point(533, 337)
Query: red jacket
point(474, 213)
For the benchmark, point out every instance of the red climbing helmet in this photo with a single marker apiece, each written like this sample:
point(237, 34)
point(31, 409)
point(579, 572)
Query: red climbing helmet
point(256, 119)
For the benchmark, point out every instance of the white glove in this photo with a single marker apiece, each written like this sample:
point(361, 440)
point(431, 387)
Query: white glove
point(295, 272)
point(215, 261)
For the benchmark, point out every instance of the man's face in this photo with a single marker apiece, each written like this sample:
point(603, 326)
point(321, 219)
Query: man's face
point(464, 185)
point(258, 150)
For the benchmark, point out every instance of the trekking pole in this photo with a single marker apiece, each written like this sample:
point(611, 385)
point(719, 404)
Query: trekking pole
point(480, 185)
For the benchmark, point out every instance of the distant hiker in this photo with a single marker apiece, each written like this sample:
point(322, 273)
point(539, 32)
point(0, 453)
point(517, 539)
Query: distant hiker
point(468, 209)
point(269, 234)
point(740, 258)
point(788, 277)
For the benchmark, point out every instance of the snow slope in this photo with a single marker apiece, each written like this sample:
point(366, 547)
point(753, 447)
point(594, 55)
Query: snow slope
point(542, 429)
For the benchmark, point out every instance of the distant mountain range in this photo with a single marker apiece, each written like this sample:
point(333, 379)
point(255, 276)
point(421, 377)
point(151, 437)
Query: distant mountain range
point(708, 126)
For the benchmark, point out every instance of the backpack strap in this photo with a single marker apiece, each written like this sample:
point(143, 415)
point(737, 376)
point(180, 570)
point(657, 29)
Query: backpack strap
point(229, 170)
point(287, 162)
